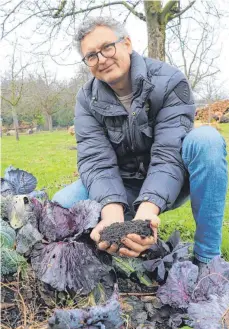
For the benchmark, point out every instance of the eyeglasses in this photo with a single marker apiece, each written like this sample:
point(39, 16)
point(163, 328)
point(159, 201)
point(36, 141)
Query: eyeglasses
point(107, 51)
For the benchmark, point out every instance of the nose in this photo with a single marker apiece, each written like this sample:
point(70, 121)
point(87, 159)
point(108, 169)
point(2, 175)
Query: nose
point(102, 59)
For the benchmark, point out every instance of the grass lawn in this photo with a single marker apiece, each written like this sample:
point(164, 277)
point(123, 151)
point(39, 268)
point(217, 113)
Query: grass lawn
point(49, 158)
point(46, 155)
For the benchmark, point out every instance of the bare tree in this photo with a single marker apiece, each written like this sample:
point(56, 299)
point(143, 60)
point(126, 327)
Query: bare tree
point(56, 22)
point(47, 94)
point(190, 47)
point(157, 18)
point(52, 96)
point(12, 90)
point(211, 91)
point(53, 17)
point(44, 98)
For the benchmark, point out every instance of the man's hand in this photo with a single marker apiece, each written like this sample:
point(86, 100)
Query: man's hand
point(111, 213)
point(136, 244)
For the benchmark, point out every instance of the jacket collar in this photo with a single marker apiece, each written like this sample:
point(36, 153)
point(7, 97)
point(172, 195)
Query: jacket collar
point(104, 97)
point(138, 71)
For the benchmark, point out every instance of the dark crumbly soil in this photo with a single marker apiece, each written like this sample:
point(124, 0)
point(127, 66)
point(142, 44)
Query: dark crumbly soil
point(115, 232)
point(22, 301)
point(40, 301)
point(126, 285)
point(10, 313)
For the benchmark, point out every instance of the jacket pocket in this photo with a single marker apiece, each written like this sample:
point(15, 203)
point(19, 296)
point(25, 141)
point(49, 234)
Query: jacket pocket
point(147, 130)
point(116, 137)
point(145, 137)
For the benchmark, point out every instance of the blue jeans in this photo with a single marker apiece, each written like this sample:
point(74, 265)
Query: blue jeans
point(204, 156)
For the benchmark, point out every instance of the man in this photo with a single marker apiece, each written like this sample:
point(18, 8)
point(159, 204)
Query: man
point(137, 152)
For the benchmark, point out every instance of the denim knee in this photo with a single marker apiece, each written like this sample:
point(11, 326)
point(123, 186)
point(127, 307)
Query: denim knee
point(205, 143)
point(71, 194)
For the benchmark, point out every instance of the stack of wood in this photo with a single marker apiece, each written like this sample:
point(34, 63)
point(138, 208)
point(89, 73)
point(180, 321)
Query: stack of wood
point(213, 112)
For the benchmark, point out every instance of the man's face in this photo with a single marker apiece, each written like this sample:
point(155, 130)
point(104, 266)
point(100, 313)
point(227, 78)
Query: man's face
point(110, 70)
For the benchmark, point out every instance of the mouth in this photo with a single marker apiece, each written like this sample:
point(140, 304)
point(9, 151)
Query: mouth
point(107, 68)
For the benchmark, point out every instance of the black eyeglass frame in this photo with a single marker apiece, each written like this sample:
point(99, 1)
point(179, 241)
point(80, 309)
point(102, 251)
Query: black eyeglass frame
point(100, 52)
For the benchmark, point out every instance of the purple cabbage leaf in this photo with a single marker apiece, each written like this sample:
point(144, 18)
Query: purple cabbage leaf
point(211, 314)
point(213, 280)
point(179, 285)
point(41, 195)
point(6, 188)
point(163, 255)
point(20, 181)
point(107, 316)
point(57, 223)
point(67, 265)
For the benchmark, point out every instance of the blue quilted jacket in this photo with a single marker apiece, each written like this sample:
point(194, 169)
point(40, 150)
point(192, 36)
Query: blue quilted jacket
point(114, 146)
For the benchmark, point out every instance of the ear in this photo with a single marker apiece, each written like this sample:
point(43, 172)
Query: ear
point(128, 45)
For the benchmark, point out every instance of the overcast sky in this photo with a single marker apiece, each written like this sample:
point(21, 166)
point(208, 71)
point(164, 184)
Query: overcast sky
point(138, 34)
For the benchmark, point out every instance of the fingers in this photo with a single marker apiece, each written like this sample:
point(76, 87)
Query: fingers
point(113, 249)
point(155, 222)
point(136, 244)
point(103, 245)
point(133, 245)
point(128, 253)
point(141, 241)
point(95, 235)
point(155, 234)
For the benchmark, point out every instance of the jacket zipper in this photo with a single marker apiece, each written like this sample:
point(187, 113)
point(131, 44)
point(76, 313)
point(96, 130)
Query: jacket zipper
point(129, 134)
point(131, 119)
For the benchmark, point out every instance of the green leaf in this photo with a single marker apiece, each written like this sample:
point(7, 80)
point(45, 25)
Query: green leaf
point(144, 279)
point(7, 235)
point(11, 261)
point(132, 265)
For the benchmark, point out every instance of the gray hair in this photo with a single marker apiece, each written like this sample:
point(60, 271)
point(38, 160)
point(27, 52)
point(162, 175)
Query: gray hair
point(90, 24)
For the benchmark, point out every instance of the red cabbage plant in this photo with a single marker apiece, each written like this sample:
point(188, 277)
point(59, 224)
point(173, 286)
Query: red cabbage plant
point(58, 223)
point(107, 316)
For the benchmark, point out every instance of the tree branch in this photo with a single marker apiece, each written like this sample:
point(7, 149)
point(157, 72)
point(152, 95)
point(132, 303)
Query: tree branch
point(21, 22)
point(182, 45)
point(201, 77)
point(9, 14)
point(182, 11)
point(167, 9)
point(196, 53)
point(134, 6)
point(124, 3)
point(61, 8)
point(7, 100)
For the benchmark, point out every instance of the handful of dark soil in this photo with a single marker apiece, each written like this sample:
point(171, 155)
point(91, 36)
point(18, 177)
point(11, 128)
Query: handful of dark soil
point(115, 232)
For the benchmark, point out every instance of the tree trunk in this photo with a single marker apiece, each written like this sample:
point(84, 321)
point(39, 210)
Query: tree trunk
point(156, 29)
point(15, 121)
point(48, 123)
point(1, 127)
